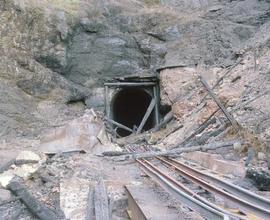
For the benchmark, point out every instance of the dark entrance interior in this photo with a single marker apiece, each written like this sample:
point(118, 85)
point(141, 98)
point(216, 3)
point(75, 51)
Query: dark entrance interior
point(128, 108)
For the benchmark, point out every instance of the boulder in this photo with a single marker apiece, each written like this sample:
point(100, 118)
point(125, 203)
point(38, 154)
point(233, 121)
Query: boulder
point(81, 134)
point(28, 156)
point(261, 178)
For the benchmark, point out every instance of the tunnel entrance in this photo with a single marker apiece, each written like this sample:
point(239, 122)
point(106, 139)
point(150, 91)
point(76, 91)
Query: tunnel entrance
point(129, 107)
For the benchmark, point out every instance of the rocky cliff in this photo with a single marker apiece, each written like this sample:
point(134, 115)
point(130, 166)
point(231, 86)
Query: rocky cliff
point(55, 55)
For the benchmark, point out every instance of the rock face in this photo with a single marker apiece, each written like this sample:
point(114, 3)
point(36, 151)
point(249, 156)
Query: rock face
point(55, 56)
point(110, 45)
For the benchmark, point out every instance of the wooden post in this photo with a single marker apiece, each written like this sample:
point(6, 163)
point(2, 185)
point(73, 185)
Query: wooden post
point(107, 104)
point(146, 116)
point(155, 92)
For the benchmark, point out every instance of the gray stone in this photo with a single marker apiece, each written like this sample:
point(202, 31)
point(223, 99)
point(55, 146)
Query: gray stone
point(260, 177)
point(5, 195)
point(172, 33)
point(62, 25)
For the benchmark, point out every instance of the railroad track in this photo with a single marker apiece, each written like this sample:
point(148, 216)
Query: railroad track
point(248, 203)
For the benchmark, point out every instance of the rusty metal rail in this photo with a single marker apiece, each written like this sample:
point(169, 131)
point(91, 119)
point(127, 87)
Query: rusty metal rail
point(137, 212)
point(244, 199)
point(180, 192)
point(185, 195)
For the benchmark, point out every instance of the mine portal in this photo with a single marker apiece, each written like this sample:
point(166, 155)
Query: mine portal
point(132, 105)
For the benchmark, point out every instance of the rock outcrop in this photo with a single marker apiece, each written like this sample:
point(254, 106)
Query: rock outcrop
point(55, 56)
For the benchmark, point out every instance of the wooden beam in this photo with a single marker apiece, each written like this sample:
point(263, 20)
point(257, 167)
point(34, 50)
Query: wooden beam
point(130, 84)
point(155, 92)
point(37, 208)
point(177, 151)
point(218, 102)
point(119, 125)
point(101, 201)
point(90, 211)
point(146, 116)
point(107, 104)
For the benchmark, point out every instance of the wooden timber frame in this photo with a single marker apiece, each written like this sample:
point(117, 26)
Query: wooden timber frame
point(149, 84)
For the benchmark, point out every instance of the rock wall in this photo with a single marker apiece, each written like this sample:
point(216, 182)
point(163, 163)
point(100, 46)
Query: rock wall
point(55, 55)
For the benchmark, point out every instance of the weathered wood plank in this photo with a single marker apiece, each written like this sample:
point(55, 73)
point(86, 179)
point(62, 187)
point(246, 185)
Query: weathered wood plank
point(102, 211)
point(90, 211)
point(156, 96)
point(218, 102)
point(178, 151)
point(36, 207)
point(146, 115)
point(119, 125)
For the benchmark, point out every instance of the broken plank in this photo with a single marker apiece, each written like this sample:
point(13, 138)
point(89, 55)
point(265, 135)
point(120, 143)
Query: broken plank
point(102, 211)
point(90, 211)
point(218, 102)
point(178, 151)
point(119, 125)
point(146, 116)
point(37, 208)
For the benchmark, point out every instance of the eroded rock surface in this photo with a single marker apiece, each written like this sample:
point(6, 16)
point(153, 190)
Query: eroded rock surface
point(54, 56)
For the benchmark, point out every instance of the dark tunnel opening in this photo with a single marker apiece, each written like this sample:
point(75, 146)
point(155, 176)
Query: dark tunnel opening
point(128, 108)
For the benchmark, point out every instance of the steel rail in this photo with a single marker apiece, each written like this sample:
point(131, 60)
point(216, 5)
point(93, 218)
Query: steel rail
point(134, 207)
point(175, 189)
point(185, 195)
point(244, 198)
